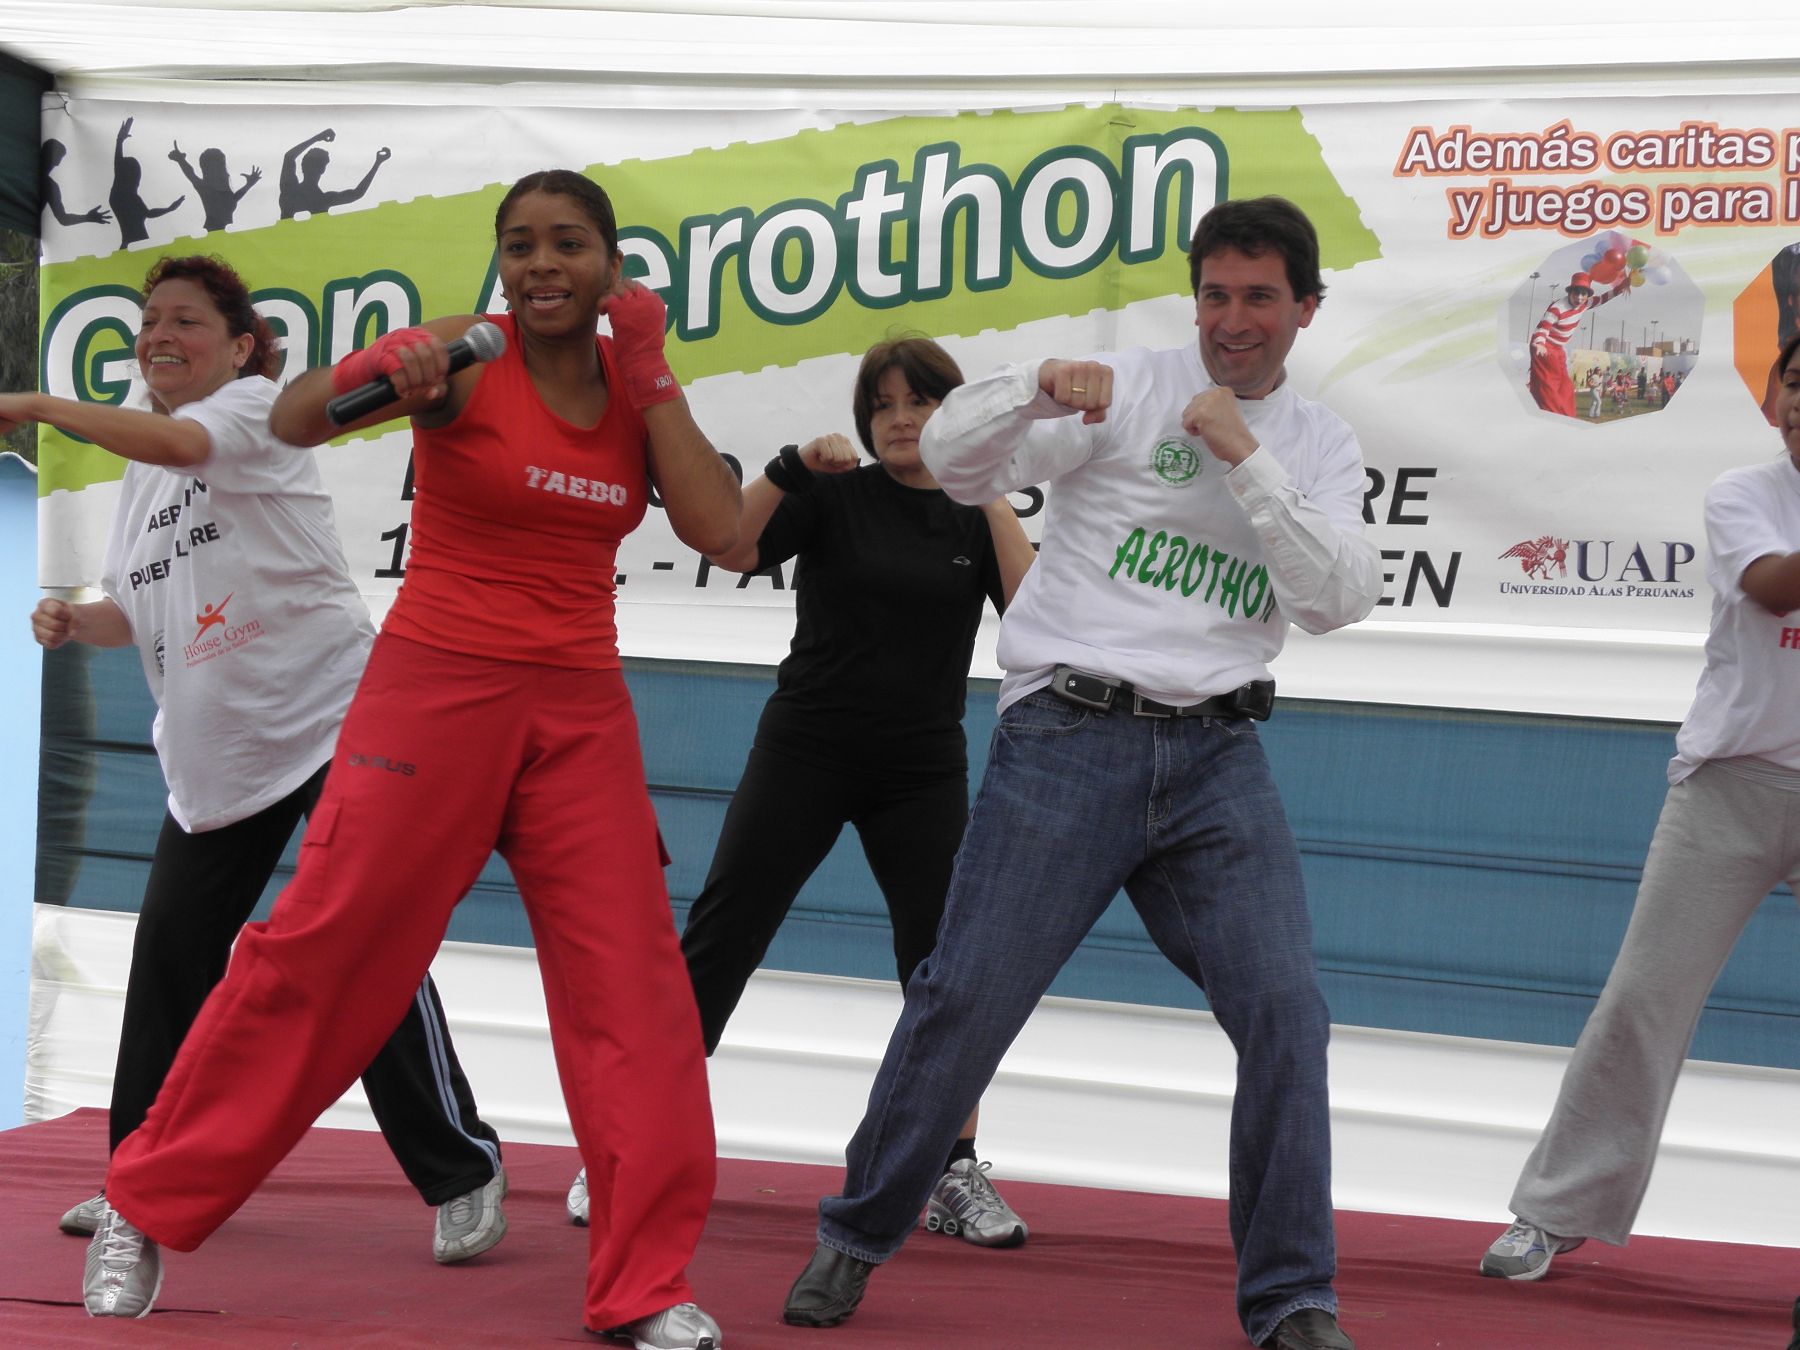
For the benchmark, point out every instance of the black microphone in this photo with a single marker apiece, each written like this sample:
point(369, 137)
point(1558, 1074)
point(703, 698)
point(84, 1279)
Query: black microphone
point(483, 342)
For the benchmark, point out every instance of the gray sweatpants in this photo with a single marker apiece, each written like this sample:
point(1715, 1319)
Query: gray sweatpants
point(1722, 844)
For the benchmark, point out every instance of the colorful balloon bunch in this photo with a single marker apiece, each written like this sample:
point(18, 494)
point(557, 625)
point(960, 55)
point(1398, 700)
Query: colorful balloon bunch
point(1616, 252)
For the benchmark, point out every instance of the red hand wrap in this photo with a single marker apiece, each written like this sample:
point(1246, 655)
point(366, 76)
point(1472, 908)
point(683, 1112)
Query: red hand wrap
point(638, 319)
point(380, 357)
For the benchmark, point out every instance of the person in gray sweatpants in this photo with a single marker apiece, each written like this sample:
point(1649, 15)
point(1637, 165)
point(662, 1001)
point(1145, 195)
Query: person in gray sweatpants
point(1728, 834)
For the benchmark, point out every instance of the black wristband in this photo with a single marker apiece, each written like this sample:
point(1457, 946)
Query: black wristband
point(788, 472)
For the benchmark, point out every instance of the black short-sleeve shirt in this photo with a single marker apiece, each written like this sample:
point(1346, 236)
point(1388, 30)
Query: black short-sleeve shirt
point(889, 585)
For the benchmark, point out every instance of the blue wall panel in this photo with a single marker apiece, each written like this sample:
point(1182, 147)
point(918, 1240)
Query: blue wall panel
point(18, 744)
point(1470, 873)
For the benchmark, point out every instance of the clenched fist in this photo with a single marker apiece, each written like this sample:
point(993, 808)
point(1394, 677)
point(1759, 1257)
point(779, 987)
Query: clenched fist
point(1215, 418)
point(830, 453)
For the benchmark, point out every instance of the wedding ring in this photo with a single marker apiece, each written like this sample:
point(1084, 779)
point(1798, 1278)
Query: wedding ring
point(1077, 389)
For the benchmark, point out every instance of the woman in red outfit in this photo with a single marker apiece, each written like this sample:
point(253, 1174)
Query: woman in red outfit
point(492, 716)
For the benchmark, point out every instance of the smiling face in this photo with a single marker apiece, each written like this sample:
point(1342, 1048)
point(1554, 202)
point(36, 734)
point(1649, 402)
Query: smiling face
point(184, 346)
point(898, 416)
point(554, 265)
point(1248, 317)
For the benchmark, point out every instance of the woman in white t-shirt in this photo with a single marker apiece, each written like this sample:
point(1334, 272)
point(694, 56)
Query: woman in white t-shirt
point(1728, 834)
point(224, 569)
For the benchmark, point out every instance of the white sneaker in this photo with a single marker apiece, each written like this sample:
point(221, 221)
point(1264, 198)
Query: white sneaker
point(965, 1204)
point(1524, 1252)
point(683, 1327)
point(578, 1200)
point(123, 1271)
point(470, 1224)
point(84, 1219)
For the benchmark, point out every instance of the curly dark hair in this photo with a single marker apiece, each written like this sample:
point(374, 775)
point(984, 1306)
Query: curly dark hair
point(928, 368)
point(230, 297)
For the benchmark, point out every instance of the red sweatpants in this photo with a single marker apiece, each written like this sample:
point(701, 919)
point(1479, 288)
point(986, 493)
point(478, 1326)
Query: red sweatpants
point(443, 758)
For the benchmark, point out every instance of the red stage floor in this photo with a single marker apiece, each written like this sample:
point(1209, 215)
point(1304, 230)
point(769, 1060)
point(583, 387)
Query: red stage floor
point(335, 1251)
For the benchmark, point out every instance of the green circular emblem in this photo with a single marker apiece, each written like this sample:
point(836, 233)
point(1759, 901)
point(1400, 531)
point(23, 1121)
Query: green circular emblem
point(1176, 462)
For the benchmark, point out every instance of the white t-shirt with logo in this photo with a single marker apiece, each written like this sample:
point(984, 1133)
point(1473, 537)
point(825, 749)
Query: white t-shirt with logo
point(1748, 699)
point(251, 633)
point(1159, 564)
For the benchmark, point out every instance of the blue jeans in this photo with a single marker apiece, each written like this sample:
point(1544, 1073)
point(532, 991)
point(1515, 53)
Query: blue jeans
point(1183, 815)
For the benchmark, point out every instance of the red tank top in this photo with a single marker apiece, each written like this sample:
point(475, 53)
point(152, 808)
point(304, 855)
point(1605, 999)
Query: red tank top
point(517, 516)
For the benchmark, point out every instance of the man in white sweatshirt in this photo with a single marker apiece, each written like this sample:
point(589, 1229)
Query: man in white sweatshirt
point(1199, 506)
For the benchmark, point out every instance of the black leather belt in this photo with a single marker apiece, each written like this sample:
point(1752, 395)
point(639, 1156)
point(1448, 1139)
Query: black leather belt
point(1103, 694)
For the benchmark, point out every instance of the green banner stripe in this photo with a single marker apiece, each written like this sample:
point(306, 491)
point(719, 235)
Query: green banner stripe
point(1032, 215)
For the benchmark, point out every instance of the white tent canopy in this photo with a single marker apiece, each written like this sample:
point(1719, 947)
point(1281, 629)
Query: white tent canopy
point(99, 46)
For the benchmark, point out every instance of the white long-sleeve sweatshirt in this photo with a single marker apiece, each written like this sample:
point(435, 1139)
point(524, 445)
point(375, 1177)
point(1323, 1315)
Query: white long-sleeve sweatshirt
point(1159, 565)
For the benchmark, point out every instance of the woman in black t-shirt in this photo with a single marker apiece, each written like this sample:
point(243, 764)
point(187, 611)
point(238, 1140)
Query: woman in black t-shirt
point(865, 725)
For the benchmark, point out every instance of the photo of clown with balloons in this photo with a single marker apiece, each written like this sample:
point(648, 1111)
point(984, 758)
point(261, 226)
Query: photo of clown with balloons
point(1639, 359)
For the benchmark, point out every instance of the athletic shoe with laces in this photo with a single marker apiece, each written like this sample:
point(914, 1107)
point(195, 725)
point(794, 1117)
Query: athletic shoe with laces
point(1524, 1252)
point(965, 1204)
point(577, 1203)
point(470, 1224)
point(123, 1271)
point(683, 1327)
point(84, 1219)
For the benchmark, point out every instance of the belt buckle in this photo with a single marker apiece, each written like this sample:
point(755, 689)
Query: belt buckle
point(1140, 708)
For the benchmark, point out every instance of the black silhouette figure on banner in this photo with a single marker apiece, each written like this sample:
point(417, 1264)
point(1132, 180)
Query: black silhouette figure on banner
point(50, 157)
point(128, 207)
point(213, 183)
point(301, 192)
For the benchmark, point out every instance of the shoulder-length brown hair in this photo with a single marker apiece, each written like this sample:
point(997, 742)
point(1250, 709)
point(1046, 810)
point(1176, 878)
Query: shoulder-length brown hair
point(928, 368)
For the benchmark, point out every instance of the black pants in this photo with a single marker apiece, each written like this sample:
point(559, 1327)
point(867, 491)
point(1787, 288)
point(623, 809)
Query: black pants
point(202, 889)
point(783, 820)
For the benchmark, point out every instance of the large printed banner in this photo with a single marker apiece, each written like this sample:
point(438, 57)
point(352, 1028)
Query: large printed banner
point(1550, 321)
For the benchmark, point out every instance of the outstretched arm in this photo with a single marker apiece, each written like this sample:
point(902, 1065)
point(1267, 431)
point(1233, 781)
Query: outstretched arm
point(53, 199)
point(832, 453)
point(187, 169)
point(1026, 424)
point(326, 135)
point(415, 360)
point(342, 196)
point(290, 179)
point(130, 433)
point(1621, 287)
point(381, 157)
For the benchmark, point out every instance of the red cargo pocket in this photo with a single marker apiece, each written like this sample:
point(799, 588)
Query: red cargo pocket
point(322, 824)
